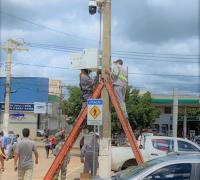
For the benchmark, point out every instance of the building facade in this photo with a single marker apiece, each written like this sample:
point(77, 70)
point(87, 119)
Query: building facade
point(25, 91)
point(163, 124)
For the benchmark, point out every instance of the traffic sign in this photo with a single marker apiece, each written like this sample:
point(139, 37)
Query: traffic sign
point(94, 115)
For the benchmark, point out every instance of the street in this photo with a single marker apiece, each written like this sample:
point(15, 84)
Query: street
point(73, 170)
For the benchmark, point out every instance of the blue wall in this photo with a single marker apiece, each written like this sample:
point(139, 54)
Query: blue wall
point(26, 89)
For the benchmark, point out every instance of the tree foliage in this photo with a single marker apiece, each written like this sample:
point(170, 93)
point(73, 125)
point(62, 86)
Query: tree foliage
point(140, 110)
point(72, 106)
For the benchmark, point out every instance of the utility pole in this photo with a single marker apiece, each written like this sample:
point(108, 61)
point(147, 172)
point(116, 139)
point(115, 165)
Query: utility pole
point(60, 123)
point(185, 123)
point(105, 142)
point(175, 112)
point(11, 46)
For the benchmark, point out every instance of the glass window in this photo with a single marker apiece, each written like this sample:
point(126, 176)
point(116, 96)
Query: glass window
point(168, 110)
point(185, 146)
point(163, 144)
point(172, 172)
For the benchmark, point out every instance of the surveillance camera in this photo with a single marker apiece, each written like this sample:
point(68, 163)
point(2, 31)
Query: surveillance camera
point(92, 6)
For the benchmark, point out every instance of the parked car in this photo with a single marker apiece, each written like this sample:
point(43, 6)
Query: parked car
point(40, 132)
point(151, 147)
point(172, 167)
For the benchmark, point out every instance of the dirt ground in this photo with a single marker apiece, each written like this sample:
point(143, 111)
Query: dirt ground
point(73, 170)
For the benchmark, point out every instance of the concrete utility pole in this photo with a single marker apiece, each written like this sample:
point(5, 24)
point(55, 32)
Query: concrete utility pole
point(105, 142)
point(11, 46)
point(175, 112)
point(185, 123)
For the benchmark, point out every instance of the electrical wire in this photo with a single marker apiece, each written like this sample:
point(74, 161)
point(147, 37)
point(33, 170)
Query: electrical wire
point(46, 27)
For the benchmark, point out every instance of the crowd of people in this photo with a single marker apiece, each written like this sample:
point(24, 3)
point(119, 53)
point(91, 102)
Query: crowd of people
point(21, 151)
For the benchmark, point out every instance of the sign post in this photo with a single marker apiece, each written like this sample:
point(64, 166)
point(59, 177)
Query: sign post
point(94, 118)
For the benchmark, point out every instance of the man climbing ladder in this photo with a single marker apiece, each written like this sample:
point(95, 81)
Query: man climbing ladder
point(119, 81)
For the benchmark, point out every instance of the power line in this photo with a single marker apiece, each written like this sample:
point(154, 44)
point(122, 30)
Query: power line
point(42, 66)
point(124, 57)
point(150, 54)
point(170, 75)
point(131, 73)
point(128, 58)
point(114, 52)
point(45, 27)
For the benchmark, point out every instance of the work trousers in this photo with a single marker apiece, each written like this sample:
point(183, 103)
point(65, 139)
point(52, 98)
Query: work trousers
point(88, 166)
point(120, 92)
point(25, 174)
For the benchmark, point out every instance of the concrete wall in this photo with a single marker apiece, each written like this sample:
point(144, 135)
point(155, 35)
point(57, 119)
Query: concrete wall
point(16, 124)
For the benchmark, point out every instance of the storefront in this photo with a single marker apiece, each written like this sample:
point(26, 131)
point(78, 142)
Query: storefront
point(25, 91)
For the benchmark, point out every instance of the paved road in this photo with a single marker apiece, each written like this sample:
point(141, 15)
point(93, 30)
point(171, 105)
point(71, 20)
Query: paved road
point(74, 168)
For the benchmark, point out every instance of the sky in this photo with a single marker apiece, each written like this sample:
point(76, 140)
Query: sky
point(157, 39)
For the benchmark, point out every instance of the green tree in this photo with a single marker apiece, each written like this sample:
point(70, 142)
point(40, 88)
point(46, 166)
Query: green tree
point(142, 113)
point(140, 110)
point(72, 106)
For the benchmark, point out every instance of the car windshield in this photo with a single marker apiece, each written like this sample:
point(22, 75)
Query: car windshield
point(133, 171)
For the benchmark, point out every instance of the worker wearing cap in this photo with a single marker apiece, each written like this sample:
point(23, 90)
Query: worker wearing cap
point(86, 85)
point(120, 80)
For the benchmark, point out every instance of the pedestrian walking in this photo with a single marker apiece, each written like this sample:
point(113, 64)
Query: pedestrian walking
point(53, 142)
point(3, 143)
point(47, 145)
point(63, 169)
point(119, 80)
point(2, 157)
point(23, 161)
point(87, 155)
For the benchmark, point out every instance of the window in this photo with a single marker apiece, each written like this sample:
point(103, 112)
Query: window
point(164, 129)
point(163, 144)
point(172, 172)
point(168, 110)
point(156, 128)
point(185, 146)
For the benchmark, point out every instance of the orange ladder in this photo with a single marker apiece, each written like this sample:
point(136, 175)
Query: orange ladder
point(58, 161)
point(125, 124)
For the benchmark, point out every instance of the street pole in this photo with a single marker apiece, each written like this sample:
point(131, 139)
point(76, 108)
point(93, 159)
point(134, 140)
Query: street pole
point(7, 97)
point(185, 123)
point(175, 112)
point(60, 108)
point(9, 48)
point(105, 142)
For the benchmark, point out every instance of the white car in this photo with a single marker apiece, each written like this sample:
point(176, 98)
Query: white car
point(151, 147)
point(172, 167)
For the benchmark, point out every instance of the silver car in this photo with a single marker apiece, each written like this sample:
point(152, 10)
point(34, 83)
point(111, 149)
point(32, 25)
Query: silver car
point(185, 166)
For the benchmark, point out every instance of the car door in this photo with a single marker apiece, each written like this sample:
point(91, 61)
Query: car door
point(179, 171)
point(160, 147)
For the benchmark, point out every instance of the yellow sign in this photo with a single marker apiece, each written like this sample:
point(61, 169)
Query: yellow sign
point(95, 112)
